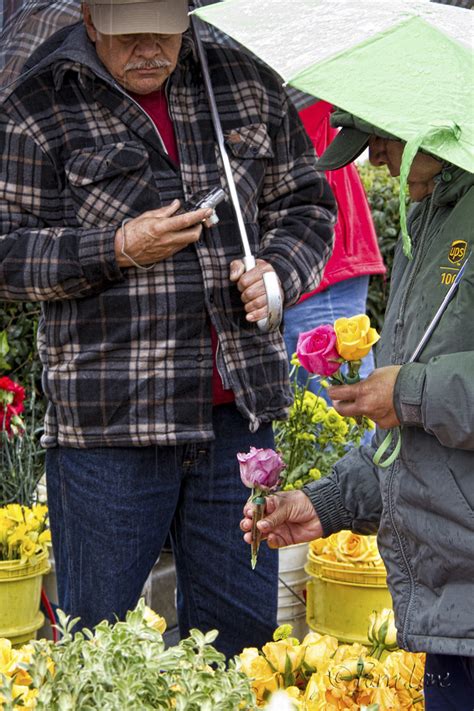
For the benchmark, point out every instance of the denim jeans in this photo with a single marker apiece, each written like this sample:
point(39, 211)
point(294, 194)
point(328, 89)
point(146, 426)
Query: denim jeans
point(449, 683)
point(344, 299)
point(111, 510)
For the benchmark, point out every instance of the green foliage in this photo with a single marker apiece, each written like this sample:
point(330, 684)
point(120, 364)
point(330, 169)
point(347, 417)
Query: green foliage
point(22, 459)
point(383, 195)
point(18, 356)
point(126, 666)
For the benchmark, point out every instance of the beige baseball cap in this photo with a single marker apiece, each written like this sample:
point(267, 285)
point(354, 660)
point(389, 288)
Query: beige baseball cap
point(126, 17)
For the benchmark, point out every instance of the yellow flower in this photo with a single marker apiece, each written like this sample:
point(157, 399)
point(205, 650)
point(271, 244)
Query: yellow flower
point(382, 696)
point(319, 653)
point(382, 631)
point(344, 651)
point(45, 538)
point(262, 677)
point(153, 620)
point(348, 547)
point(27, 696)
point(27, 548)
point(405, 671)
point(355, 337)
point(6, 655)
point(294, 360)
point(277, 654)
point(315, 694)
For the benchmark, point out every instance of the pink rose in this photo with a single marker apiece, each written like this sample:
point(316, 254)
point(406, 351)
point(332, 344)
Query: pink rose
point(317, 352)
point(260, 468)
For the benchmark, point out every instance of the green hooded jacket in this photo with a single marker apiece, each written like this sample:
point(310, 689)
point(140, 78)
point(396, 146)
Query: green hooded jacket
point(422, 507)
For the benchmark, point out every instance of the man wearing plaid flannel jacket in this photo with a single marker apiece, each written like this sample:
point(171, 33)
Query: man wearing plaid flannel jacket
point(155, 372)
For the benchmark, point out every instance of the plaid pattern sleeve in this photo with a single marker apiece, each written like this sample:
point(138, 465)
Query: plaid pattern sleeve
point(127, 354)
point(40, 258)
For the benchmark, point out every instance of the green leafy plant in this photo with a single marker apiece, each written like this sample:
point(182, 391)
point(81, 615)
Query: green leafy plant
point(126, 666)
point(383, 193)
point(18, 355)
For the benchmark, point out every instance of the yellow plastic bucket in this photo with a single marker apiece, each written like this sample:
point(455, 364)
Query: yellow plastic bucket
point(20, 598)
point(341, 596)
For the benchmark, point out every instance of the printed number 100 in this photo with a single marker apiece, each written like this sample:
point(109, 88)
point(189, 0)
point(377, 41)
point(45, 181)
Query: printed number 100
point(447, 278)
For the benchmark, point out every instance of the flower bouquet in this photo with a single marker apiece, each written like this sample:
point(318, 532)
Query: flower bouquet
point(315, 436)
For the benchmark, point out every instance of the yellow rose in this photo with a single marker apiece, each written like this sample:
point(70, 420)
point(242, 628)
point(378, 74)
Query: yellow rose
point(382, 631)
point(262, 677)
point(315, 694)
point(405, 672)
point(277, 654)
point(153, 620)
point(344, 651)
point(318, 654)
point(350, 547)
point(357, 667)
point(385, 698)
point(355, 337)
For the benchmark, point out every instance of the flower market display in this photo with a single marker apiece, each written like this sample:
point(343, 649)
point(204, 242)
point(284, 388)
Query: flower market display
point(126, 666)
point(319, 674)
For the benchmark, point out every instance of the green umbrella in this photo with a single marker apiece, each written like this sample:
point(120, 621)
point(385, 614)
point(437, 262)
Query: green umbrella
point(404, 66)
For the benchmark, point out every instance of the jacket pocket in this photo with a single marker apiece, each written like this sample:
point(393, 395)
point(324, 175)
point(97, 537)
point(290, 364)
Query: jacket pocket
point(249, 149)
point(106, 183)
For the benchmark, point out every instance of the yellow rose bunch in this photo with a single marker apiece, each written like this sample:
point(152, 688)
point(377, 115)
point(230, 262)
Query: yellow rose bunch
point(348, 547)
point(24, 532)
point(321, 675)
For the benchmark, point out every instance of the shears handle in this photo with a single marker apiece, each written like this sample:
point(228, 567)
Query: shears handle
point(274, 300)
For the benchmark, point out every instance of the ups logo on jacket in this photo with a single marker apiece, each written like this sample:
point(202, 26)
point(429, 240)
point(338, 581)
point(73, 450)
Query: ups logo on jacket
point(457, 251)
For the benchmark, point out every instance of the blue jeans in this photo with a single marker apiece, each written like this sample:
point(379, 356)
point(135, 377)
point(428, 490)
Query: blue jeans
point(110, 512)
point(449, 683)
point(344, 299)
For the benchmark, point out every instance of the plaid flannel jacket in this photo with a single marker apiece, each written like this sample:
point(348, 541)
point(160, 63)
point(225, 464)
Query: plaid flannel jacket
point(127, 353)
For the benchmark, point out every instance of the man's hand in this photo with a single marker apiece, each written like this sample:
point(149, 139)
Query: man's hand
point(158, 234)
point(289, 518)
point(372, 397)
point(252, 288)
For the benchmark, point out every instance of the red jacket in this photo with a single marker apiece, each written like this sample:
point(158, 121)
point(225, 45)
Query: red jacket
point(356, 250)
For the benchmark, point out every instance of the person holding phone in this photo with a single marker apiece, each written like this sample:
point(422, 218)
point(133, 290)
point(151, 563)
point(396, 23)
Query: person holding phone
point(155, 371)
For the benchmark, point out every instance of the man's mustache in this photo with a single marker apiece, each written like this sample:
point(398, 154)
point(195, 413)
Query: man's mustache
point(148, 64)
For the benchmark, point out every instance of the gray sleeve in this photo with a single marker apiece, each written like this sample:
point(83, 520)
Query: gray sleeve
point(350, 497)
point(439, 397)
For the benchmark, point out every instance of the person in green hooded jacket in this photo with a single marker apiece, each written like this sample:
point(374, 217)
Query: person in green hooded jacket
point(422, 505)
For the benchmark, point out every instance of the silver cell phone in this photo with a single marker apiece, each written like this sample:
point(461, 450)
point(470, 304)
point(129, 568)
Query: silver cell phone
point(204, 199)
